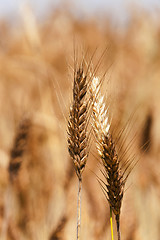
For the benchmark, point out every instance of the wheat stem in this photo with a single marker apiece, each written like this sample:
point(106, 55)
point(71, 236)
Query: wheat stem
point(111, 223)
point(118, 227)
point(79, 209)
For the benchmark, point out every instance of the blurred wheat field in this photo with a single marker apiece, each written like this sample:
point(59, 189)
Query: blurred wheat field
point(36, 75)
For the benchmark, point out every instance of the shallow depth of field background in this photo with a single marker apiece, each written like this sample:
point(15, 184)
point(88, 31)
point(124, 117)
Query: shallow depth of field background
point(36, 74)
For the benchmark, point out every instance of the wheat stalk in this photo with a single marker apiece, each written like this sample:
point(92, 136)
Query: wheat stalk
point(77, 132)
point(115, 179)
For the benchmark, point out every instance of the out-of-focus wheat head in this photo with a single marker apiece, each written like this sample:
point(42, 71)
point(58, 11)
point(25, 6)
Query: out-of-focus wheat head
point(19, 148)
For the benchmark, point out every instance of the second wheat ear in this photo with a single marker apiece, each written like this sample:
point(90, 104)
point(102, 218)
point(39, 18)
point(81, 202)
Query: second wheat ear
point(115, 178)
point(19, 148)
point(77, 132)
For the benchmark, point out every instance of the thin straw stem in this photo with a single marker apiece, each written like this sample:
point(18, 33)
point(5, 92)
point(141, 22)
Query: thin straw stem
point(118, 227)
point(111, 223)
point(79, 209)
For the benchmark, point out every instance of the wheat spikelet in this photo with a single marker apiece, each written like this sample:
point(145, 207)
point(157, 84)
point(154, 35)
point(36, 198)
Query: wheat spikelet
point(19, 148)
point(115, 180)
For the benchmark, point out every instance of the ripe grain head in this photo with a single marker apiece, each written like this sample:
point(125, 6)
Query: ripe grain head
point(113, 186)
point(77, 124)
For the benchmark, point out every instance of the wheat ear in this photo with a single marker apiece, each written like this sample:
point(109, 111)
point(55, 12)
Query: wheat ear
point(115, 179)
point(19, 147)
point(77, 132)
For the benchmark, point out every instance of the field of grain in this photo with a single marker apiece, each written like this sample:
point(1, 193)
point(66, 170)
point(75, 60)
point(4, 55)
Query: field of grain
point(38, 200)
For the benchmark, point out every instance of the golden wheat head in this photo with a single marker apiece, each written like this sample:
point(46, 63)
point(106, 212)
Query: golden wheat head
point(77, 124)
point(115, 179)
